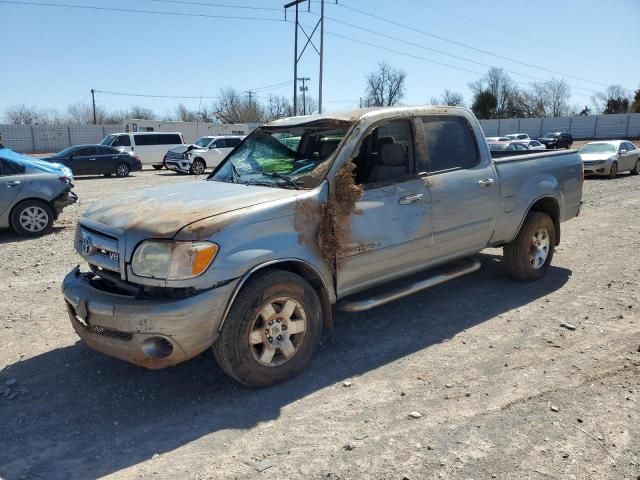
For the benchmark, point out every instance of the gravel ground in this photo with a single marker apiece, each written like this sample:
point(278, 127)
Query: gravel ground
point(499, 388)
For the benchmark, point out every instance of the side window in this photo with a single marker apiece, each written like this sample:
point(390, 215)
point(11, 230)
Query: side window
point(219, 143)
point(84, 152)
point(122, 141)
point(629, 146)
point(386, 153)
point(233, 142)
point(450, 143)
point(7, 167)
point(106, 151)
point(511, 147)
point(145, 140)
point(522, 137)
point(169, 139)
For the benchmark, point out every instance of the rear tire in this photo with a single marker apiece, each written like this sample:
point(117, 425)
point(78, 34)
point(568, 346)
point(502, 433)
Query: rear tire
point(636, 169)
point(122, 170)
point(613, 171)
point(198, 167)
point(272, 330)
point(32, 218)
point(157, 167)
point(529, 255)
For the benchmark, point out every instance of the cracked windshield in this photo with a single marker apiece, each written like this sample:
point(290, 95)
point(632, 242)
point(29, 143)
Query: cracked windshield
point(285, 157)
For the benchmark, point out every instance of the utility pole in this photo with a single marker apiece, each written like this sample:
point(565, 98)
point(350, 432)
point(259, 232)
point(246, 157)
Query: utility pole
point(297, 56)
point(93, 98)
point(304, 89)
point(250, 93)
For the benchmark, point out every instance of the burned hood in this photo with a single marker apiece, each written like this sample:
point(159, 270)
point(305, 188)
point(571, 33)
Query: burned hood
point(163, 211)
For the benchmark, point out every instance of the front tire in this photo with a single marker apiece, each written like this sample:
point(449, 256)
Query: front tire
point(636, 169)
point(613, 171)
point(529, 255)
point(32, 218)
point(198, 167)
point(157, 167)
point(122, 170)
point(272, 330)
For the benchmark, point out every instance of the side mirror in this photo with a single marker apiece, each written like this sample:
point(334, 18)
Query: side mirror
point(623, 151)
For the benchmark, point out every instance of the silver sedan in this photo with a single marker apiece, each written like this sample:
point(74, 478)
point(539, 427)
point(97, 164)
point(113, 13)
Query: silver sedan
point(610, 157)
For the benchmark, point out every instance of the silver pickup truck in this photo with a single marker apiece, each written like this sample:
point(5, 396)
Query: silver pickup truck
point(353, 210)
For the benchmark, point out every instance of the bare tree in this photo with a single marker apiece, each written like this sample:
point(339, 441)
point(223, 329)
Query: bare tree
point(183, 114)
point(501, 86)
point(277, 106)
point(616, 97)
point(82, 113)
point(21, 115)
point(232, 107)
point(142, 113)
point(385, 86)
point(449, 98)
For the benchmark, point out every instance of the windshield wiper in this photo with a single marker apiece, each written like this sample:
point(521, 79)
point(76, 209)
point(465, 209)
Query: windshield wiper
point(282, 177)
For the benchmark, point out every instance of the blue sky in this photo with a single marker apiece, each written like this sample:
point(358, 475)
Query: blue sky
point(52, 57)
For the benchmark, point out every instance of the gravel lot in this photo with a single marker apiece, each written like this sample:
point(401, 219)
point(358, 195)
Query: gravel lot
point(503, 390)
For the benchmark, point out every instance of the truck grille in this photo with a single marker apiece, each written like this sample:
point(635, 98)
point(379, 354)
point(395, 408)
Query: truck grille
point(589, 164)
point(99, 249)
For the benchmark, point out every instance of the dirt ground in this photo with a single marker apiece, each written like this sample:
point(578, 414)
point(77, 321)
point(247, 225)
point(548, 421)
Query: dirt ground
point(504, 391)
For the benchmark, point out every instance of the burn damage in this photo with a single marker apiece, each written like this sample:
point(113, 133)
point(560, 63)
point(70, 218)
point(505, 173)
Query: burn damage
point(335, 225)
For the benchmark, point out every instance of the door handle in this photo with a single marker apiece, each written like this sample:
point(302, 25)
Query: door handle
point(413, 198)
point(486, 182)
point(13, 183)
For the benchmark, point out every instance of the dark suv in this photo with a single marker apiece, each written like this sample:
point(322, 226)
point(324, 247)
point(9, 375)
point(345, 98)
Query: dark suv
point(557, 140)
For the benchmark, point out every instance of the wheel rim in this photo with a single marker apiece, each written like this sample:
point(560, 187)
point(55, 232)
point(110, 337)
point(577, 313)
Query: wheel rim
point(198, 168)
point(278, 331)
point(34, 219)
point(614, 170)
point(123, 170)
point(539, 248)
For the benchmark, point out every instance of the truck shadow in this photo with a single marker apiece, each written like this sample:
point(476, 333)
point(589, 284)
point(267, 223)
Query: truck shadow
point(86, 415)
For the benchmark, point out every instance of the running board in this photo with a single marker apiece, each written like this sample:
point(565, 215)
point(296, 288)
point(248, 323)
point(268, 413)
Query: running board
point(360, 302)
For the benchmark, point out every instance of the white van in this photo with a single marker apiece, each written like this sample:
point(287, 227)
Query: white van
point(150, 147)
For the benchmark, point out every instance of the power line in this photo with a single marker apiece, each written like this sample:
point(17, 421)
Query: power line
point(131, 10)
point(466, 59)
point(464, 45)
point(147, 95)
point(496, 27)
point(220, 5)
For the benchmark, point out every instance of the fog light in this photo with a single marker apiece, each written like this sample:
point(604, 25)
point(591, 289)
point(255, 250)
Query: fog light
point(157, 347)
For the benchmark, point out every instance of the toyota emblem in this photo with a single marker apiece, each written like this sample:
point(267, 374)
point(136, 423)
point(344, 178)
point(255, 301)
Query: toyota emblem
point(86, 246)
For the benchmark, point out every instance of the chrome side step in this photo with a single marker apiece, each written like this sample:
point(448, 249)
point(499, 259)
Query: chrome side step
point(360, 303)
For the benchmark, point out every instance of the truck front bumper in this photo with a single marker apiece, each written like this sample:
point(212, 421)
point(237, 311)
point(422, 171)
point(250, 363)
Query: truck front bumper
point(153, 333)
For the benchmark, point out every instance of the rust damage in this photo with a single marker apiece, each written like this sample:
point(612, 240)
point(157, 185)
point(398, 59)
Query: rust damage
point(335, 225)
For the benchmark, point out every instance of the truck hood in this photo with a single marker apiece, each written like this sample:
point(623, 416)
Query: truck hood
point(163, 211)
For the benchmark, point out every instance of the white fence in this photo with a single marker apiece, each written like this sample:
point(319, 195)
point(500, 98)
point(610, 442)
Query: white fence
point(626, 125)
point(53, 138)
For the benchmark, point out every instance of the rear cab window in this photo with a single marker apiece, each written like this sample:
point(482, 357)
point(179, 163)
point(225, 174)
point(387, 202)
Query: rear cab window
point(450, 143)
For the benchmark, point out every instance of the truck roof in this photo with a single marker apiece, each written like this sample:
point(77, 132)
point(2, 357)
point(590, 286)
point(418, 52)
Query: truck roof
point(372, 114)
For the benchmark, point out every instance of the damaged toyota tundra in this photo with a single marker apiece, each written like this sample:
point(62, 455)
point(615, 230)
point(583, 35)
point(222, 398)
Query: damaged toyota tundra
point(343, 211)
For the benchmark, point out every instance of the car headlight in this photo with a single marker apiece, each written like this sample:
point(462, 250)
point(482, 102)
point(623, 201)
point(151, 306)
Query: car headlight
point(168, 260)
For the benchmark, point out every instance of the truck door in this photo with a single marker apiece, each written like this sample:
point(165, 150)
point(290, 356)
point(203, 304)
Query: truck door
point(390, 229)
point(464, 187)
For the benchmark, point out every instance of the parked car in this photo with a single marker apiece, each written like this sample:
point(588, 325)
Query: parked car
point(497, 139)
point(518, 136)
point(553, 140)
point(509, 146)
point(207, 152)
point(149, 147)
point(97, 160)
point(610, 157)
point(33, 193)
point(532, 144)
point(361, 213)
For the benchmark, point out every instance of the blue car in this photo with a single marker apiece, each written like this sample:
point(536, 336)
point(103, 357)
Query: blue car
point(33, 192)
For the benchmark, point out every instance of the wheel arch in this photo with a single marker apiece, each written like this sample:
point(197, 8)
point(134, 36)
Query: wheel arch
point(293, 265)
point(37, 199)
point(548, 205)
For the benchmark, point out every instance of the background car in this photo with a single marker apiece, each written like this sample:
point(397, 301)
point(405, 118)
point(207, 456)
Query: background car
point(33, 193)
point(532, 144)
point(610, 158)
point(149, 147)
point(507, 147)
point(97, 160)
point(497, 139)
point(207, 152)
point(557, 140)
point(518, 136)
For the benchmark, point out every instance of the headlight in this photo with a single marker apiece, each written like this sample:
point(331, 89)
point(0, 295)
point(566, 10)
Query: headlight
point(168, 260)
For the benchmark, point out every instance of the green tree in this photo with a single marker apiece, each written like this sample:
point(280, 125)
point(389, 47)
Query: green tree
point(484, 104)
point(635, 106)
